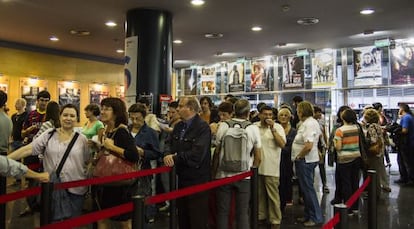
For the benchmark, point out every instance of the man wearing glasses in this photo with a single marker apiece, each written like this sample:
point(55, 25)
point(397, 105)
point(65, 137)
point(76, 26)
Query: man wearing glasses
point(31, 126)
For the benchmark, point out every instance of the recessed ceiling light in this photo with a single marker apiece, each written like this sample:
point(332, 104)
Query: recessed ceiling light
point(120, 51)
point(213, 35)
point(53, 38)
point(197, 2)
point(80, 33)
point(110, 24)
point(308, 21)
point(367, 11)
point(178, 41)
point(256, 28)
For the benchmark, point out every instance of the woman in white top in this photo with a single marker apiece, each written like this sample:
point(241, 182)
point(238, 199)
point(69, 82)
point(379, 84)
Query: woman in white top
point(305, 155)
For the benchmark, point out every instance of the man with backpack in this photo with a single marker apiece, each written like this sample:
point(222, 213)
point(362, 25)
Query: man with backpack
point(239, 148)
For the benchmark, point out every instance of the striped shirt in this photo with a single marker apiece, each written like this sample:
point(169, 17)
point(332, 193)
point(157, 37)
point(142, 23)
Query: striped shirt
point(348, 135)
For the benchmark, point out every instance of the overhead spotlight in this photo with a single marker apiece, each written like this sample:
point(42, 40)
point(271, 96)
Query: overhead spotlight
point(197, 2)
point(177, 41)
point(256, 28)
point(213, 35)
point(110, 24)
point(54, 38)
point(308, 21)
point(120, 51)
point(367, 11)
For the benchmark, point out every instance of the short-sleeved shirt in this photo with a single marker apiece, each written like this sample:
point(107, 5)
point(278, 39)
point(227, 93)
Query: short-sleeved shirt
point(270, 160)
point(9, 167)
point(53, 150)
point(34, 118)
point(6, 127)
point(18, 120)
point(254, 141)
point(90, 132)
point(349, 137)
point(309, 131)
point(407, 122)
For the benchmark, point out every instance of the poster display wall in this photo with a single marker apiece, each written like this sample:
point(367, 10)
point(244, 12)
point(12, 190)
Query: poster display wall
point(208, 81)
point(259, 76)
point(120, 92)
point(69, 93)
point(236, 77)
point(402, 64)
point(323, 71)
point(293, 75)
point(4, 84)
point(367, 66)
point(97, 92)
point(30, 87)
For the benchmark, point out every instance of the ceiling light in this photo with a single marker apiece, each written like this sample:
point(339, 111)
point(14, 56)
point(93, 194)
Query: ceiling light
point(367, 11)
point(178, 41)
point(213, 35)
point(308, 21)
point(256, 28)
point(110, 24)
point(197, 2)
point(53, 38)
point(120, 51)
point(80, 33)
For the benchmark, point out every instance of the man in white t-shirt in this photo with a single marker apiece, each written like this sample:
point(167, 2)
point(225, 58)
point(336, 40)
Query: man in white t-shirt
point(273, 140)
point(242, 187)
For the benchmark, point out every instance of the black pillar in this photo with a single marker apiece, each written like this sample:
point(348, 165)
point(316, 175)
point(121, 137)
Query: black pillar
point(153, 29)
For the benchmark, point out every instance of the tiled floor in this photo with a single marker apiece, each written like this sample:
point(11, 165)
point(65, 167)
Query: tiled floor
point(395, 209)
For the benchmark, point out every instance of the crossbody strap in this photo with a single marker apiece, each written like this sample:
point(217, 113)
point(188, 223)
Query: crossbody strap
point(65, 156)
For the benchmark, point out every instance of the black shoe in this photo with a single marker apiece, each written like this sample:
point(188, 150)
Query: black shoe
point(26, 212)
point(401, 181)
point(335, 201)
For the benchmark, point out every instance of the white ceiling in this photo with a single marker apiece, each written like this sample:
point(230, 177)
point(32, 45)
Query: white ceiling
point(32, 22)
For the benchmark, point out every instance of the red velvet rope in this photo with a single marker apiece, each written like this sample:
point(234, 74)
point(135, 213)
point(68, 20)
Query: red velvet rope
point(332, 222)
point(91, 217)
point(195, 188)
point(19, 194)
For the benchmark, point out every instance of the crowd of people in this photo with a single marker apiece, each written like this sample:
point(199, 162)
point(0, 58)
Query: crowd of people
point(206, 142)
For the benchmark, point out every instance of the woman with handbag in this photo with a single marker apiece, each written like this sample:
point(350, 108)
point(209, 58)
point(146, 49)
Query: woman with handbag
point(54, 144)
point(375, 140)
point(118, 142)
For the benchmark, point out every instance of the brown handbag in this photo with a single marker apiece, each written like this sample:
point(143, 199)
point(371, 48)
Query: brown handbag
point(109, 164)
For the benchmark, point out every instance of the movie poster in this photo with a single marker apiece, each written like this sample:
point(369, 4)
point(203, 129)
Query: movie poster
point(98, 92)
point(367, 66)
point(69, 93)
point(323, 71)
point(259, 76)
point(293, 72)
point(4, 87)
point(190, 79)
point(236, 77)
point(120, 92)
point(402, 65)
point(208, 81)
point(30, 87)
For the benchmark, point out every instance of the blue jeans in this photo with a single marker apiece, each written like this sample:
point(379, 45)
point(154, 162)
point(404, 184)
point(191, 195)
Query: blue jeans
point(305, 172)
point(242, 189)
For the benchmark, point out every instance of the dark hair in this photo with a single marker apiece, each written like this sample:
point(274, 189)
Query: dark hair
point(228, 96)
point(241, 108)
point(317, 109)
point(138, 108)
point(69, 106)
point(405, 108)
point(297, 99)
point(340, 110)
point(3, 98)
point(143, 101)
point(173, 104)
point(349, 116)
point(210, 103)
point(43, 94)
point(119, 109)
point(377, 106)
point(260, 105)
point(265, 108)
point(94, 108)
point(226, 107)
point(52, 113)
point(233, 100)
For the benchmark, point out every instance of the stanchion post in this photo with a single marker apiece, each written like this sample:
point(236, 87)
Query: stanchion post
point(254, 183)
point(343, 216)
point(46, 203)
point(173, 186)
point(372, 200)
point(138, 212)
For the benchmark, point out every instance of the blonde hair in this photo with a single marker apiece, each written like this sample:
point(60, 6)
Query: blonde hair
point(306, 109)
point(284, 110)
point(21, 101)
